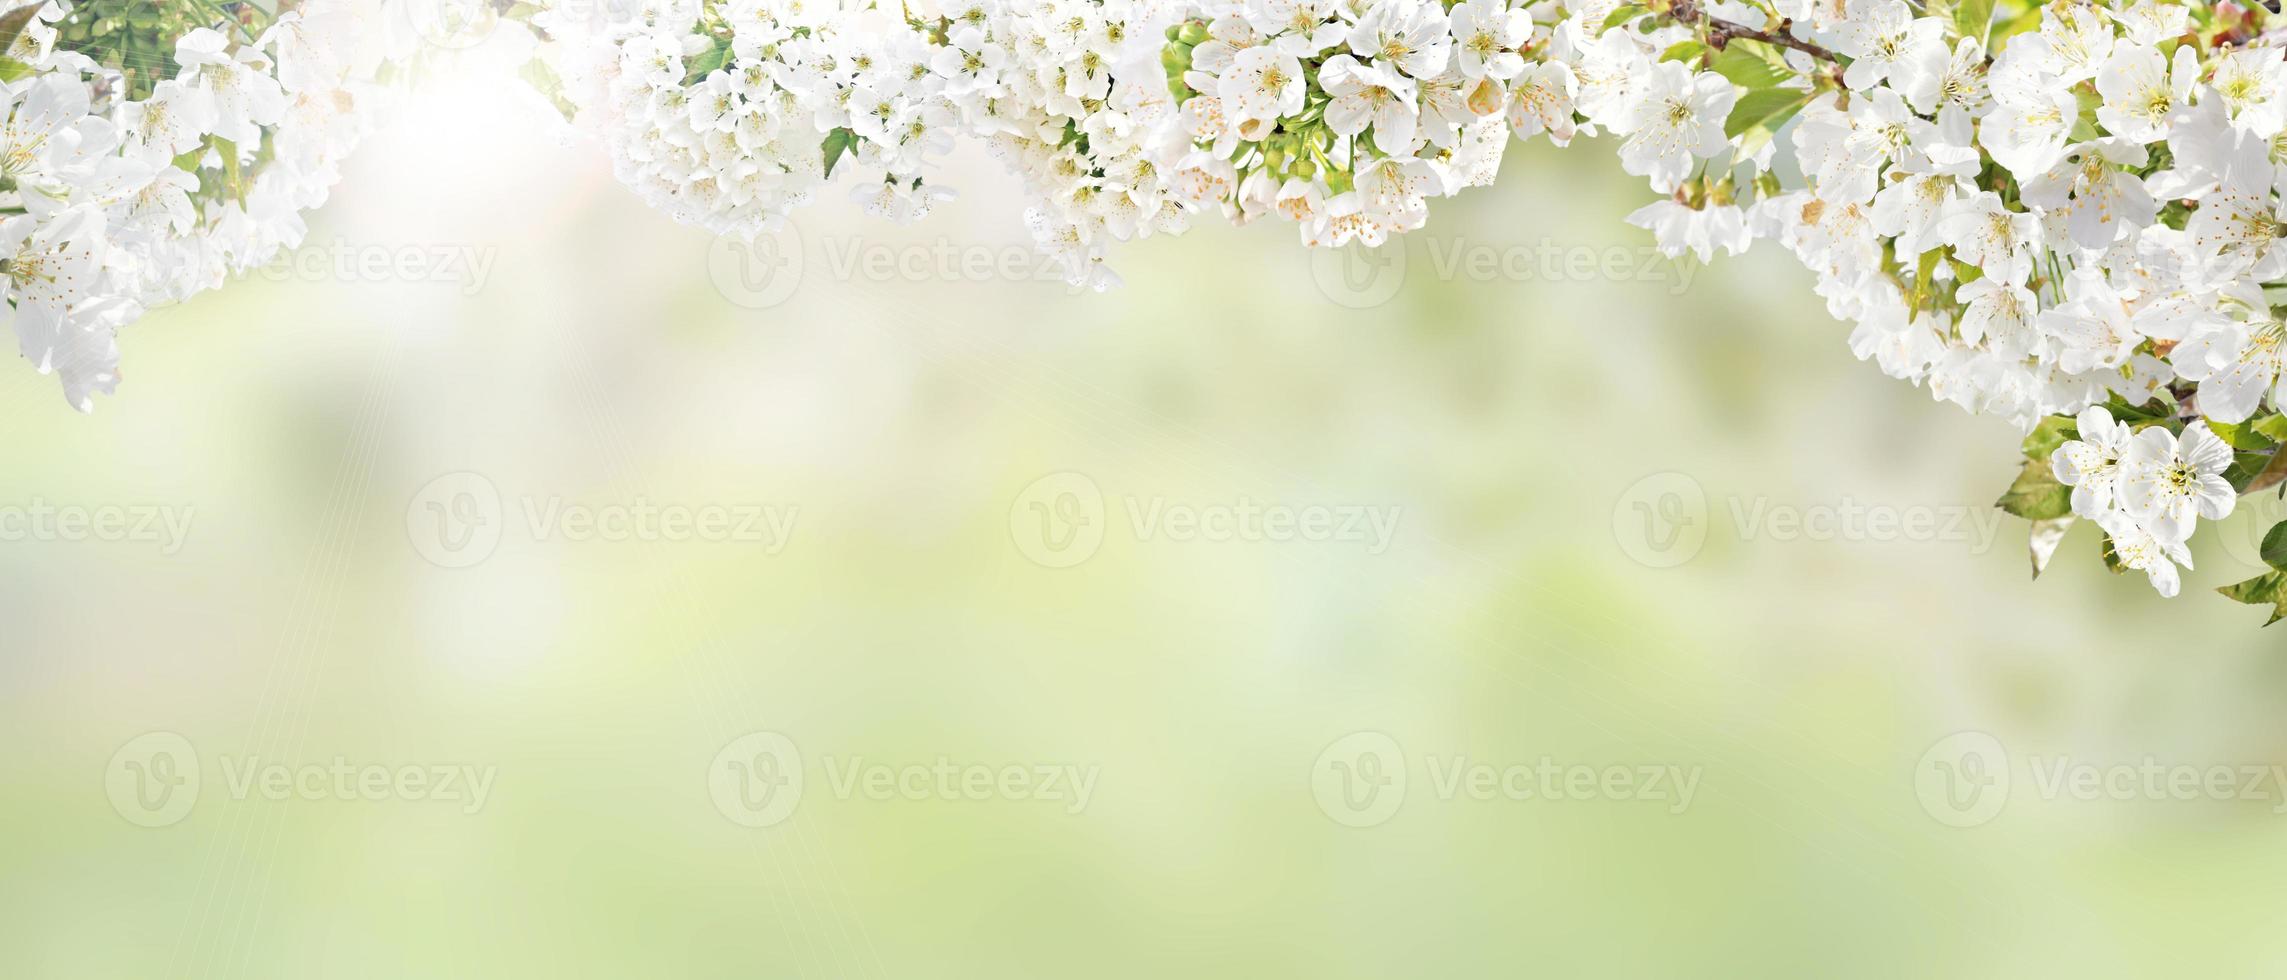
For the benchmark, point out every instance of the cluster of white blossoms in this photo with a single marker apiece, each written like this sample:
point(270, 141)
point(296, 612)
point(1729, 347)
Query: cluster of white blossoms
point(2147, 488)
point(1123, 117)
point(727, 114)
point(2064, 214)
point(1069, 94)
point(1347, 118)
point(2040, 211)
point(153, 150)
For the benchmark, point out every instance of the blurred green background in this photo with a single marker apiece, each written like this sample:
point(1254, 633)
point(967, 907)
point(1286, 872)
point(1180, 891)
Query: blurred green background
point(1588, 474)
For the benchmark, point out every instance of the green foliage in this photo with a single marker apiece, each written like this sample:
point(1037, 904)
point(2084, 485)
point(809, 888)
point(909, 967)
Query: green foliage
point(1763, 111)
point(709, 61)
point(137, 37)
point(2267, 589)
point(837, 143)
point(1973, 17)
point(2036, 495)
point(2137, 416)
point(1766, 105)
point(2085, 125)
point(2243, 436)
point(2015, 17)
point(542, 76)
point(2263, 474)
point(1751, 65)
point(2050, 433)
point(2275, 547)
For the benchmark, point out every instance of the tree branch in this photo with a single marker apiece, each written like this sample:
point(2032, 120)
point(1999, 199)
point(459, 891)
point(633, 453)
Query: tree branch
point(1720, 31)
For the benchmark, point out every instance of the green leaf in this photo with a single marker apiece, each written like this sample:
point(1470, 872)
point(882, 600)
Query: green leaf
point(709, 60)
point(1767, 109)
point(2019, 21)
point(2240, 436)
point(837, 143)
point(2084, 125)
point(2275, 547)
point(543, 79)
point(1683, 51)
point(2272, 474)
point(231, 177)
point(1625, 13)
point(2136, 416)
point(1925, 271)
point(2051, 433)
point(2267, 589)
point(1972, 17)
point(1749, 65)
point(2036, 495)
point(2272, 427)
point(2245, 469)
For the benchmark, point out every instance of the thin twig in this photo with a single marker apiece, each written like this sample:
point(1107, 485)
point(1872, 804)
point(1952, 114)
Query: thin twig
point(1720, 31)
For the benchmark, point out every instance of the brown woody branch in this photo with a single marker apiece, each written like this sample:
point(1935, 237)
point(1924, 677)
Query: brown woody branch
point(1720, 31)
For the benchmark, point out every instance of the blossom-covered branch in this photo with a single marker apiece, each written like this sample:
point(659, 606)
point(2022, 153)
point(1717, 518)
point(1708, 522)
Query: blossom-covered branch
point(2063, 214)
point(2067, 214)
point(151, 150)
